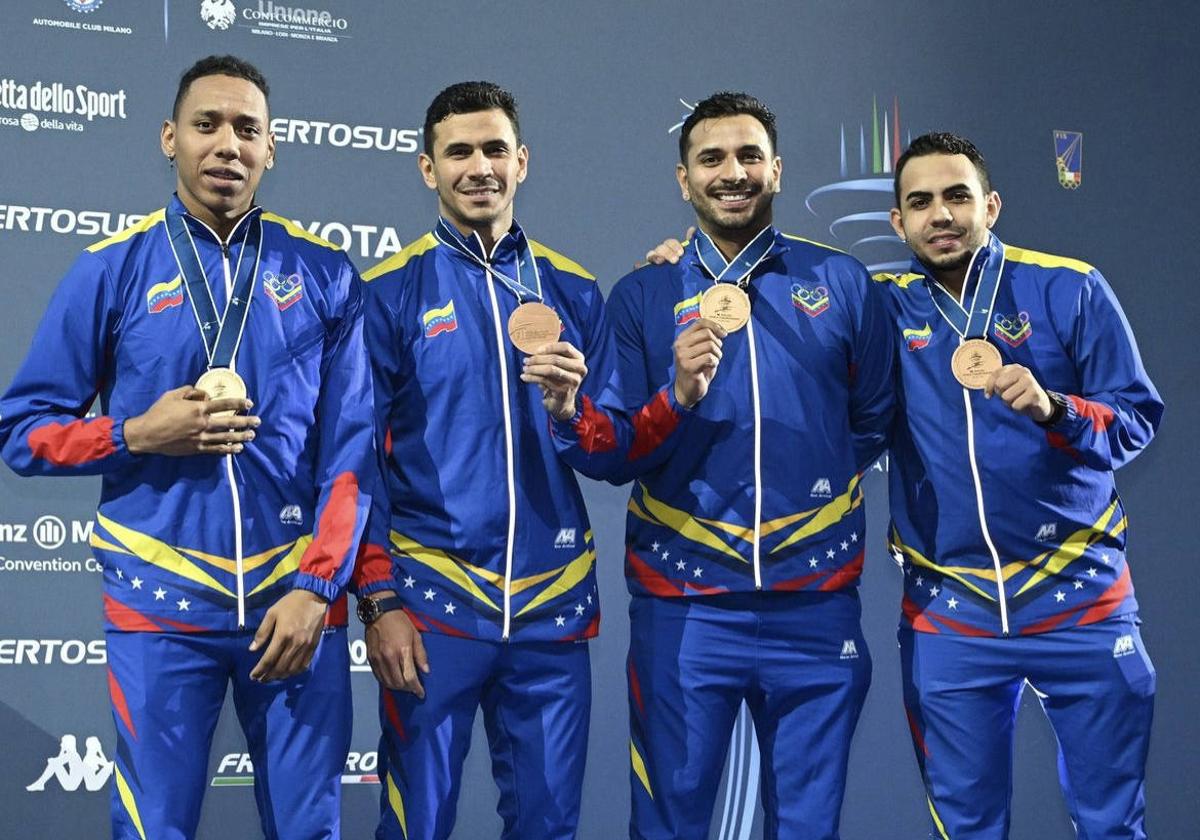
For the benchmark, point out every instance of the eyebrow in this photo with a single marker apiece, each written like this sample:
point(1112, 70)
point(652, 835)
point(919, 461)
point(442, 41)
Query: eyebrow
point(213, 113)
point(749, 147)
point(927, 194)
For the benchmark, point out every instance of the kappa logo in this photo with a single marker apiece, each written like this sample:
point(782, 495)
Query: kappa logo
point(1123, 646)
point(1047, 531)
point(72, 771)
point(440, 320)
point(917, 339)
point(291, 515)
point(812, 302)
point(218, 14)
point(1013, 331)
point(849, 650)
point(285, 291)
point(822, 489)
point(163, 296)
point(565, 538)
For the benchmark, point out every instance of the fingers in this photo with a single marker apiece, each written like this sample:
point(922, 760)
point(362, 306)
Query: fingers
point(228, 404)
point(397, 653)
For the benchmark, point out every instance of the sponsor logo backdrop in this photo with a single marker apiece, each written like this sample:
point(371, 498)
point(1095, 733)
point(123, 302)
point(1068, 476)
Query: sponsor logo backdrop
point(85, 85)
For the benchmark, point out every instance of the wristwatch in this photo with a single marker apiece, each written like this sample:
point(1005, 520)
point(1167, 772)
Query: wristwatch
point(369, 609)
point(1058, 409)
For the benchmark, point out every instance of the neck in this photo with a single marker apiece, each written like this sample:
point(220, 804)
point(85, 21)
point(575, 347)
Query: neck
point(489, 232)
point(731, 242)
point(221, 223)
point(951, 280)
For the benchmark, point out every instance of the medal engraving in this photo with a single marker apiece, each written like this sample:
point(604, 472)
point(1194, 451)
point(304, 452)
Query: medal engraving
point(974, 361)
point(221, 383)
point(727, 304)
point(531, 325)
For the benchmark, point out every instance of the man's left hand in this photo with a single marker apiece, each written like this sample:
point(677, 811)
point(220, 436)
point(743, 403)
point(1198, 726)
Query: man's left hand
point(1021, 392)
point(558, 369)
point(290, 630)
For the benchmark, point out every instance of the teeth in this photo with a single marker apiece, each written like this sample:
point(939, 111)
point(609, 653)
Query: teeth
point(737, 197)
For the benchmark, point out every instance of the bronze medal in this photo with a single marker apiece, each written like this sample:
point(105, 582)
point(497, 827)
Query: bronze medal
point(727, 304)
point(221, 383)
point(974, 361)
point(531, 325)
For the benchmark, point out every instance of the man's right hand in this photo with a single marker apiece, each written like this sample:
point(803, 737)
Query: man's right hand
point(697, 354)
point(669, 250)
point(181, 422)
point(396, 652)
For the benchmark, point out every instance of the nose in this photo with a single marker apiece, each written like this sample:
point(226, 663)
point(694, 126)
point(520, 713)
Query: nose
point(732, 169)
point(227, 143)
point(480, 165)
point(941, 214)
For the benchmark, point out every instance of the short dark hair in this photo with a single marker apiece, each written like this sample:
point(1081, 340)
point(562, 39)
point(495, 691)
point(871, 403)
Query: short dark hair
point(219, 65)
point(727, 103)
point(469, 98)
point(942, 143)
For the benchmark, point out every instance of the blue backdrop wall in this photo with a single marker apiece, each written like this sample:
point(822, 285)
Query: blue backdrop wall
point(85, 85)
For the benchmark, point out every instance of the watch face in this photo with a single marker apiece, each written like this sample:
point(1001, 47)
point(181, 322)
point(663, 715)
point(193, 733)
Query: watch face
point(368, 610)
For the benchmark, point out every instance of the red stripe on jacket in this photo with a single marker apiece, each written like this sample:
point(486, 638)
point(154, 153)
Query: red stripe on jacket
point(77, 442)
point(334, 530)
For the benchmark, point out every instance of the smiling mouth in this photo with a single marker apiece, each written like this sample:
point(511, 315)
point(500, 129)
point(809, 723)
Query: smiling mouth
point(228, 175)
point(733, 197)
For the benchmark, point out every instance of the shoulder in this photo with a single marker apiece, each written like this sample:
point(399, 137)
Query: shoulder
point(1048, 262)
point(300, 237)
point(130, 236)
point(561, 263)
point(407, 257)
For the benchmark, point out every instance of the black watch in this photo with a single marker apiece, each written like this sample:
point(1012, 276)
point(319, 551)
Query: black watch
point(1058, 410)
point(369, 609)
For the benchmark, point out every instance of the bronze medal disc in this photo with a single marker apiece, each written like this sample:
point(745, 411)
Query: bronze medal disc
point(727, 304)
point(531, 325)
point(974, 361)
point(221, 383)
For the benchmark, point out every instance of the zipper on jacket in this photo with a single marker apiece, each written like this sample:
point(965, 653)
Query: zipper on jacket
point(508, 459)
point(754, 400)
point(235, 496)
point(983, 526)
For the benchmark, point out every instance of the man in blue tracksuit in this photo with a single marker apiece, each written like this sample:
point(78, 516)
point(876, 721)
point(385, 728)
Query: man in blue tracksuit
point(1005, 516)
point(745, 545)
point(479, 574)
point(226, 539)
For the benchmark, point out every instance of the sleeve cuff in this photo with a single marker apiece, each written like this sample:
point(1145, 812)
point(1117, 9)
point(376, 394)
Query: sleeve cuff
point(371, 587)
point(120, 453)
point(327, 589)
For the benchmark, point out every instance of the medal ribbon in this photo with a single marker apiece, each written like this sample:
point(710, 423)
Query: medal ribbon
point(986, 266)
point(742, 265)
point(221, 347)
point(450, 237)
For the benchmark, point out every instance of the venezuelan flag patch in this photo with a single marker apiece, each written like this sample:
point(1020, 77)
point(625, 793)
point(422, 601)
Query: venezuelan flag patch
point(687, 310)
point(165, 295)
point(440, 320)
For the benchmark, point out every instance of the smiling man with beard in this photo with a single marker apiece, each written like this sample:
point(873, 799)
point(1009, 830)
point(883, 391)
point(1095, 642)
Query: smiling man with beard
point(745, 546)
point(226, 538)
point(1021, 392)
point(480, 573)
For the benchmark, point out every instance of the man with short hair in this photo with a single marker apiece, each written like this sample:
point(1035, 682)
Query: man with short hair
point(745, 546)
point(226, 538)
point(1021, 390)
point(479, 577)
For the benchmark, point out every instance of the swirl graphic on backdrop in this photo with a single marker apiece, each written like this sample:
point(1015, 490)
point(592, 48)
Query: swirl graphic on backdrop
point(857, 207)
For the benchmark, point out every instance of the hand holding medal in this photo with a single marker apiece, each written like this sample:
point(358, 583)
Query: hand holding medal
point(558, 369)
point(697, 355)
point(184, 421)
